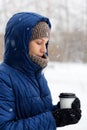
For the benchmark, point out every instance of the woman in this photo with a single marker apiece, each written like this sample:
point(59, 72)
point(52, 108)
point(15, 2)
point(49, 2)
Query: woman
point(25, 99)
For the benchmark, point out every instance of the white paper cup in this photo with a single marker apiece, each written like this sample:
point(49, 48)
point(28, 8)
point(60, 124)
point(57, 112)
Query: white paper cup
point(66, 100)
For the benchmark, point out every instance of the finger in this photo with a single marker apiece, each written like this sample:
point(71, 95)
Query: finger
point(76, 104)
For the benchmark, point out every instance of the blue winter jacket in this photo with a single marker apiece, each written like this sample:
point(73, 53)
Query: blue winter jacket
point(25, 99)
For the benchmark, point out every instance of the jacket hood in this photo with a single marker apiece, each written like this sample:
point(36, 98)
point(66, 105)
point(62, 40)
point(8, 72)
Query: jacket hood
point(17, 36)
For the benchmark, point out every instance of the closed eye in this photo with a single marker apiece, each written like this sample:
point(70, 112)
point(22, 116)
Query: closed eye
point(39, 43)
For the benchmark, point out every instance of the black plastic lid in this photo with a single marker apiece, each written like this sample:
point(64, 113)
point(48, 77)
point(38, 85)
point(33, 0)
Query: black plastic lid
point(67, 95)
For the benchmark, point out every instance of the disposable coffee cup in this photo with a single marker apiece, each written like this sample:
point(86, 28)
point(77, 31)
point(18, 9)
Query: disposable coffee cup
point(66, 100)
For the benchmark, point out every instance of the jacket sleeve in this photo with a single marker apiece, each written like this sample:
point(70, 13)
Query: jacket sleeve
point(8, 121)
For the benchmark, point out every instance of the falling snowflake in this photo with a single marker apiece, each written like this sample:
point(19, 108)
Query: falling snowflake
point(10, 109)
point(19, 19)
point(27, 28)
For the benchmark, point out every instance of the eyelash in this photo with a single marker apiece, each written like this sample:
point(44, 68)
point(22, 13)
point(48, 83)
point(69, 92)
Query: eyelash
point(39, 43)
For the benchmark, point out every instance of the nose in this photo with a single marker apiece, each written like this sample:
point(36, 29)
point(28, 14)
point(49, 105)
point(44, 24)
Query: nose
point(43, 49)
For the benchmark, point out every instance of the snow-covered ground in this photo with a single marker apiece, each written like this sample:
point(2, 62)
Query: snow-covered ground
point(69, 77)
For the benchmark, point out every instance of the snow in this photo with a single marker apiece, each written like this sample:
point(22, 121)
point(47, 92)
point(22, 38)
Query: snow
point(56, 10)
point(69, 77)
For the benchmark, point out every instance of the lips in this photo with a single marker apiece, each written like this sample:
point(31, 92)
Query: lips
point(44, 56)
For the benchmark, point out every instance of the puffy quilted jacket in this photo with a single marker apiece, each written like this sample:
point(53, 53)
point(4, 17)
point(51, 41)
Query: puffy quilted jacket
point(25, 99)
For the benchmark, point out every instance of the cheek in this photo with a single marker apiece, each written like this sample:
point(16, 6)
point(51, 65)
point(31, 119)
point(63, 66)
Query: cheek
point(33, 50)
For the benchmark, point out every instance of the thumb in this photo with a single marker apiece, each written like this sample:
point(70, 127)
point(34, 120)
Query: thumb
point(76, 104)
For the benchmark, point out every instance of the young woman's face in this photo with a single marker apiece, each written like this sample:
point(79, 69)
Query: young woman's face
point(38, 46)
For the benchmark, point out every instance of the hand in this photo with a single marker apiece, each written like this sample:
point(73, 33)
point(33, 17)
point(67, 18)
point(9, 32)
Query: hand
point(76, 104)
point(68, 116)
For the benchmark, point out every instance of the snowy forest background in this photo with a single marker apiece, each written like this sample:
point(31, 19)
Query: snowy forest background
point(69, 25)
point(67, 70)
